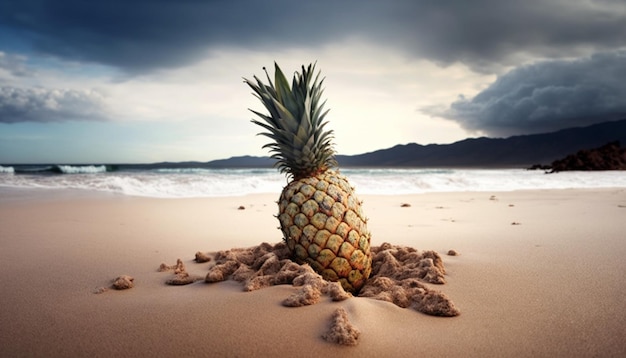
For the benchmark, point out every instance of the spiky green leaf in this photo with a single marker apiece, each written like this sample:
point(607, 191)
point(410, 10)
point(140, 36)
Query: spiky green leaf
point(296, 122)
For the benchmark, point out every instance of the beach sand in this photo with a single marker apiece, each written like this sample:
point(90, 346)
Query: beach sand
point(537, 274)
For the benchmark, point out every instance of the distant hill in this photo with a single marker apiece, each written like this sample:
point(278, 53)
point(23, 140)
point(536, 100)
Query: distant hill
point(516, 151)
point(246, 161)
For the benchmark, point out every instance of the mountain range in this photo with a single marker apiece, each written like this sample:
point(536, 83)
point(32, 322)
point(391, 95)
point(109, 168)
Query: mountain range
point(515, 151)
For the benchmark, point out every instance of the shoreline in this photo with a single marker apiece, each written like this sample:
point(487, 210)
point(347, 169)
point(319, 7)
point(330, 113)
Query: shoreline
point(539, 274)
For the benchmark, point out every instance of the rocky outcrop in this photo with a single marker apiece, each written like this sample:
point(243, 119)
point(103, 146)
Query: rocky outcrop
point(607, 157)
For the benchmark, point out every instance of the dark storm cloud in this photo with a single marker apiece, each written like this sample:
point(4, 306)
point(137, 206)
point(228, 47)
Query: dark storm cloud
point(547, 96)
point(42, 105)
point(142, 35)
point(485, 34)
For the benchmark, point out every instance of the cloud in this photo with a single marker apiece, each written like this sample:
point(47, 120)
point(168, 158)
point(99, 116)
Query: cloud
point(491, 34)
point(546, 96)
point(45, 105)
point(142, 36)
point(139, 36)
point(13, 64)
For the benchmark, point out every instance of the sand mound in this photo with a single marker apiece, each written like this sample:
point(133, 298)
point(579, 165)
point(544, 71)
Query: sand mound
point(409, 293)
point(397, 276)
point(181, 276)
point(178, 268)
point(405, 262)
point(341, 330)
point(99, 290)
point(307, 295)
point(123, 282)
point(336, 292)
point(202, 257)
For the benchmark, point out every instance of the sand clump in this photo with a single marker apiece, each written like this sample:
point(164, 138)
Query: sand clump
point(405, 262)
point(341, 330)
point(398, 276)
point(99, 290)
point(181, 276)
point(266, 265)
point(177, 268)
point(202, 257)
point(123, 282)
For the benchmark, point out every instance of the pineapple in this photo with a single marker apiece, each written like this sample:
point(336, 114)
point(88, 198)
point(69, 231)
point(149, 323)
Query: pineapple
point(320, 216)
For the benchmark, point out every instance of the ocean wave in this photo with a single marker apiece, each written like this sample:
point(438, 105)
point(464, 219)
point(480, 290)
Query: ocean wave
point(188, 183)
point(82, 169)
point(212, 183)
point(6, 170)
point(34, 169)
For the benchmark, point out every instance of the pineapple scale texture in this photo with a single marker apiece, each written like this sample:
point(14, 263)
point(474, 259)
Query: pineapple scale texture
point(324, 226)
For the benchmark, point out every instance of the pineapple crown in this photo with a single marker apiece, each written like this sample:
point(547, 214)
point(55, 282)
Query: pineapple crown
point(300, 144)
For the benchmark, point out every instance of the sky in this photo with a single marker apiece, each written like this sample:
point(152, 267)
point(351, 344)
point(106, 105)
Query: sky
point(122, 81)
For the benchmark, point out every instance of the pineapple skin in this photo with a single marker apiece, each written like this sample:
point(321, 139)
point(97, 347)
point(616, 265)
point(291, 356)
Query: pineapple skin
point(324, 226)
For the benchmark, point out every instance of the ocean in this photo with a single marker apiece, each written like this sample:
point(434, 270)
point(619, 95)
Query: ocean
point(172, 181)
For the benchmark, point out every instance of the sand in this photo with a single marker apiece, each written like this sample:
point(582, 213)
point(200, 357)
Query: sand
point(532, 273)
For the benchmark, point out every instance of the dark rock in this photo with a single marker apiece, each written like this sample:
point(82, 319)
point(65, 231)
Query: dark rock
point(539, 167)
point(607, 157)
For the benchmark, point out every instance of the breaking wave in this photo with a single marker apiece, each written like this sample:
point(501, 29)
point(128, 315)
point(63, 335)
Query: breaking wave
point(6, 169)
point(58, 169)
point(85, 169)
point(205, 182)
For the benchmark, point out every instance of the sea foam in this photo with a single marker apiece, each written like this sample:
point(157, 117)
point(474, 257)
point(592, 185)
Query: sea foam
point(199, 182)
